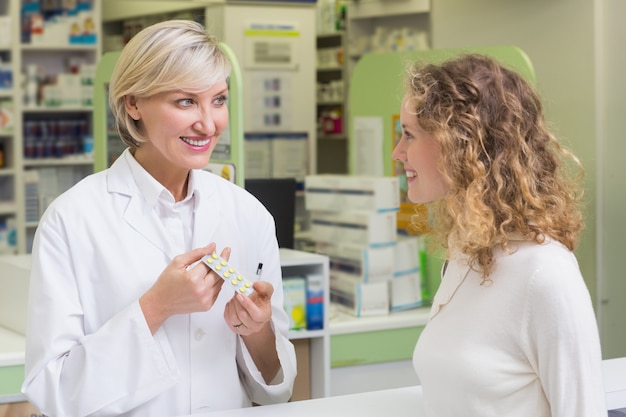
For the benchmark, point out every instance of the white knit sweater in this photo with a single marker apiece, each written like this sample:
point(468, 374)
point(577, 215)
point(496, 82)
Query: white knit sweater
point(524, 344)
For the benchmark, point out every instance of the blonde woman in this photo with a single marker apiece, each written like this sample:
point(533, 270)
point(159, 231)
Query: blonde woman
point(123, 319)
point(511, 331)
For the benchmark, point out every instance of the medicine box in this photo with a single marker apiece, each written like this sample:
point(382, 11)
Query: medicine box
point(294, 293)
point(70, 88)
point(406, 254)
point(350, 294)
point(406, 286)
point(406, 290)
point(314, 301)
point(371, 264)
point(368, 228)
point(329, 192)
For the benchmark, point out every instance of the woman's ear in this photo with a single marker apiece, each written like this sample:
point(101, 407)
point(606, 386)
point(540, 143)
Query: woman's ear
point(130, 103)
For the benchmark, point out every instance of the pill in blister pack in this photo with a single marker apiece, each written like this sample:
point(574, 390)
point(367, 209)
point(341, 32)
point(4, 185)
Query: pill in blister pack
point(231, 277)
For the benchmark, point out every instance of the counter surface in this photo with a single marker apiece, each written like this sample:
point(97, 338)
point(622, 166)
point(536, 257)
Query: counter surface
point(399, 402)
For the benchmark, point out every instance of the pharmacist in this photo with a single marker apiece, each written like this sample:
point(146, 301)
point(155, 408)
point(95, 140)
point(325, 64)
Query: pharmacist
point(123, 320)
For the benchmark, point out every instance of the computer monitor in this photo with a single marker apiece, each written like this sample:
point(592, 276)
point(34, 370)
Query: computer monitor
point(278, 195)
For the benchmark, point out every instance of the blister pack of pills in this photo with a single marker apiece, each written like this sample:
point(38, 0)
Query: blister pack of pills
point(231, 277)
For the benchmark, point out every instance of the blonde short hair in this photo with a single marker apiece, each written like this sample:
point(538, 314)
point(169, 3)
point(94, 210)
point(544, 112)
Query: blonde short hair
point(167, 56)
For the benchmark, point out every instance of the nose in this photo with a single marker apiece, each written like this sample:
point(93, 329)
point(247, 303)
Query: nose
point(205, 122)
point(398, 153)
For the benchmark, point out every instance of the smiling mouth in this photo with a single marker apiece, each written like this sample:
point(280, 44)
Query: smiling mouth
point(195, 142)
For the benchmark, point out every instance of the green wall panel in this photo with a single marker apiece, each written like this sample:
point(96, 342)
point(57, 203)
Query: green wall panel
point(373, 347)
point(11, 378)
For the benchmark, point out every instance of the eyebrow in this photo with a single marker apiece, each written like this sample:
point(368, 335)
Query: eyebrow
point(191, 93)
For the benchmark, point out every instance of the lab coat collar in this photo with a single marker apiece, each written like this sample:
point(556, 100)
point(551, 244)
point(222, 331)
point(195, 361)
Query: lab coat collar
point(139, 214)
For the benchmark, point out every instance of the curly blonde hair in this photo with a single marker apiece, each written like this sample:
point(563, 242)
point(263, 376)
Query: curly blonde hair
point(506, 172)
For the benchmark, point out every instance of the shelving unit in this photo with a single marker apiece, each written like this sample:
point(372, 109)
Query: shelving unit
point(372, 26)
point(382, 26)
point(332, 144)
point(8, 94)
point(295, 263)
point(48, 124)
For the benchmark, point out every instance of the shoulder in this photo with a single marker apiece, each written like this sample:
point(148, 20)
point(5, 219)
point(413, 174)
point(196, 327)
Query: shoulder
point(548, 256)
point(552, 271)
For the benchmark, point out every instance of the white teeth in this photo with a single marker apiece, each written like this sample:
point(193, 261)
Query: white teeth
point(410, 174)
point(195, 142)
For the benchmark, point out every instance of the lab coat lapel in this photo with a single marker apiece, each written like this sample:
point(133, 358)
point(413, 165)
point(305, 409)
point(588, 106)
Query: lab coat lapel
point(139, 215)
point(144, 220)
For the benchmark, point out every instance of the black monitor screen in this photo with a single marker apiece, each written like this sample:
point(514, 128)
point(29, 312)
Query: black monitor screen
point(278, 195)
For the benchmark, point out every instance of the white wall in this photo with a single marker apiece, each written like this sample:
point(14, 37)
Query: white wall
point(560, 37)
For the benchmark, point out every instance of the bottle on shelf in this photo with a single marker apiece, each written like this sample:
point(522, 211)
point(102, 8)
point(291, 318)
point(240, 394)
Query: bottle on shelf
point(31, 85)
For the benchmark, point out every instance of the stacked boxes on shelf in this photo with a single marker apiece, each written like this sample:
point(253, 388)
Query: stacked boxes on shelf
point(353, 222)
point(406, 285)
point(57, 22)
point(70, 89)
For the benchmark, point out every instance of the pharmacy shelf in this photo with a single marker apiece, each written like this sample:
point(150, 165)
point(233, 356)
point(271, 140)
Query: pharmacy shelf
point(295, 262)
point(332, 93)
point(51, 58)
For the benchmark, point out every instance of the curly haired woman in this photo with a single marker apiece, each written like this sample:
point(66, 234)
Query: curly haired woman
point(512, 329)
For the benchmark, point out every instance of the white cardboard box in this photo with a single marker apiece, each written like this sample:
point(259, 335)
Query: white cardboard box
point(405, 291)
point(352, 295)
point(406, 254)
point(405, 288)
point(370, 263)
point(329, 192)
point(367, 228)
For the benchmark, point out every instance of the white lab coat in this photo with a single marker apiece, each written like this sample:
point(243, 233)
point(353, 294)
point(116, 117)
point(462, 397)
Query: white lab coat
point(89, 351)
